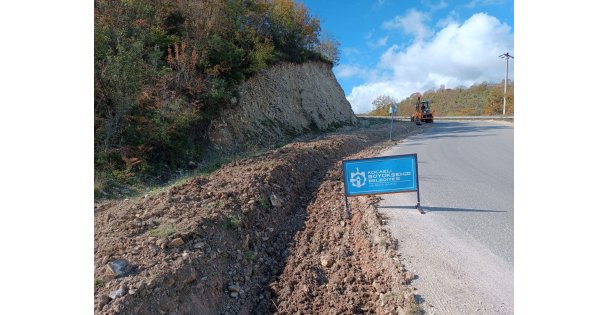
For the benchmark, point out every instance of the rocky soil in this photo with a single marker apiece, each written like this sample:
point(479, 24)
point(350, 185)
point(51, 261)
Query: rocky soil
point(260, 235)
point(281, 102)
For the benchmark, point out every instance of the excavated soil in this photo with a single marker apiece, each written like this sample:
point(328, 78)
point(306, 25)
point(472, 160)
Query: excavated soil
point(260, 235)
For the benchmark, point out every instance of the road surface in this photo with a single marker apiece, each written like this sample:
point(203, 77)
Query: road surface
point(462, 248)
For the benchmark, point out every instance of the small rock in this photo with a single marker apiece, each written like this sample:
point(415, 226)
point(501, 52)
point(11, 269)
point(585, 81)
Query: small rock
point(169, 282)
point(409, 276)
point(327, 261)
point(199, 245)
point(162, 243)
point(176, 242)
point(276, 201)
point(246, 241)
point(191, 276)
point(132, 291)
point(118, 268)
point(234, 295)
point(342, 223)
point(250, 201)
point(233, 288)
point(103, 300)
point(154, 250)
point(118, 293)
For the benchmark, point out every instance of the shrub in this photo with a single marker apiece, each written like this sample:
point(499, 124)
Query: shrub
point(164, 69)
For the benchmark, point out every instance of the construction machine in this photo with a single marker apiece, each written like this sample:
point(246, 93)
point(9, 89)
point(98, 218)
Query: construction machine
point(423, 112)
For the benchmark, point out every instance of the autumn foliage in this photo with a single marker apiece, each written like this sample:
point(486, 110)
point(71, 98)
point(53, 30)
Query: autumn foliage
point(164, 68)
point(484, 99)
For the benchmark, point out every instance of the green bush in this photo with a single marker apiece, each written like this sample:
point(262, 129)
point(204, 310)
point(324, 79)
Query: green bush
point(164, 69)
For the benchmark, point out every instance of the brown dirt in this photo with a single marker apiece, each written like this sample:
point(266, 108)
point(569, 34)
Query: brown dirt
point(260, 235)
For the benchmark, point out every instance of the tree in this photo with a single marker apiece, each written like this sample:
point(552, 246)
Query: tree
point(164, 69)
point(328, 47)
point(383, 101)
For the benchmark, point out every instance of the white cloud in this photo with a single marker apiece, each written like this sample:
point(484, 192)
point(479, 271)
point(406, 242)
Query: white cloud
point(382, 41)
point(474, 3)
point(411, 23)
point(459, 54)
point(361, 97)
point(379, 4)
point(349, 71)
point(450, 19)
point(435, 6)
point(379, 43)
point(350, 52)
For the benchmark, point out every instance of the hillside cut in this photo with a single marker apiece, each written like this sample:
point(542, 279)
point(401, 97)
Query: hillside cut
point(283, 101)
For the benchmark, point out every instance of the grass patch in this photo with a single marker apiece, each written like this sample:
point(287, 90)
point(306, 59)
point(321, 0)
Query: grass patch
point(132, 185)
point(263, 202)
point(231, 223)
point(104, 190)
point(415, 308)
point(162, 230)
point(99, 283)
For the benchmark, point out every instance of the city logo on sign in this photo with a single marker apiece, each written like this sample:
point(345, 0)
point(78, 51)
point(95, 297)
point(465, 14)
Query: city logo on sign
point(357, 178)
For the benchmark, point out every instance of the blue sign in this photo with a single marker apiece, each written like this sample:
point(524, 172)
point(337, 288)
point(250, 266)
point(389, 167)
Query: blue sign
point(381, 175)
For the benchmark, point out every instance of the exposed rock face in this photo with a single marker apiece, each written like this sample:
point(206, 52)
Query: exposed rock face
point(283, 101)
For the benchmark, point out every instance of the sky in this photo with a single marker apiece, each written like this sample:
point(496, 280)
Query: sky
point(397, 48)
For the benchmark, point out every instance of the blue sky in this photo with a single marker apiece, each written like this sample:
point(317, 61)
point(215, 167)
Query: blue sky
point(398, 48)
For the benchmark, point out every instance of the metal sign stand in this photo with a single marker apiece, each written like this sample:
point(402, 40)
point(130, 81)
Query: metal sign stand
point(392, 112)
point(418, 189)
point(346, 210)
point(418, 204)
point(346, 194)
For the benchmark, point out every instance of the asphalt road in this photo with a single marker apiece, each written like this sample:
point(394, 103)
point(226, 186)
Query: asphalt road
point(462, 248)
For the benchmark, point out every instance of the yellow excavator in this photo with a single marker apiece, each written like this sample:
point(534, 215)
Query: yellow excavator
point(423, 112)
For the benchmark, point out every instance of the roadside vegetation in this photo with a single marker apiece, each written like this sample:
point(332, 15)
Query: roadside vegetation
point(485, 99)
point(164, 68)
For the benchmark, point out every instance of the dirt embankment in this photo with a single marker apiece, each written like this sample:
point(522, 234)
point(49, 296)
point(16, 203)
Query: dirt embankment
point(281, 102)
point(258, 236)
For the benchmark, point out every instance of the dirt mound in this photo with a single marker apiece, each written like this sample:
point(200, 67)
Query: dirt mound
point(260, 235)
point(340, 267)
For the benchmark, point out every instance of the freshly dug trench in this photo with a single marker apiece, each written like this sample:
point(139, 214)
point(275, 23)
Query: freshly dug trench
point(237, 241)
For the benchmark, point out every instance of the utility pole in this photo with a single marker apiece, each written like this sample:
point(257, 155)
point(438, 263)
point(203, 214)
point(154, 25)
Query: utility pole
point(392, 110)
point(504, 98)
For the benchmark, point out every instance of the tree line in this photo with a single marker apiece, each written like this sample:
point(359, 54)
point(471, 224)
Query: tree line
point(163, 69)
point(483, 99)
